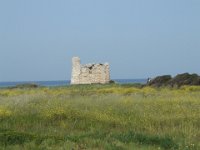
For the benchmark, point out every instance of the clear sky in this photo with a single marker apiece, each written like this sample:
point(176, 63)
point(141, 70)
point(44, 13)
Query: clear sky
point(139, 38)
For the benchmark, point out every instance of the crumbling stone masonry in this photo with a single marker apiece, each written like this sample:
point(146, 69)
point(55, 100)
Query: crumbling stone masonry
point(89, 73)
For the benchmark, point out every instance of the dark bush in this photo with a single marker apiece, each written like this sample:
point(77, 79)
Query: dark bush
point(177, 81)
point(185, 79)
point(112, 82)
point(27, 85)
point(160, 81)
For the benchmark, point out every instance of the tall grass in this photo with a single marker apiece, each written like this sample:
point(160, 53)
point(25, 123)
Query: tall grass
point(100, 117)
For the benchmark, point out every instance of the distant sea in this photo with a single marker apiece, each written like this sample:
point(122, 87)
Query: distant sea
point(66, 82)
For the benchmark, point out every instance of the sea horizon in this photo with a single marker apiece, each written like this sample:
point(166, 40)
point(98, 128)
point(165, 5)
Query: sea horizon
point(64, 82)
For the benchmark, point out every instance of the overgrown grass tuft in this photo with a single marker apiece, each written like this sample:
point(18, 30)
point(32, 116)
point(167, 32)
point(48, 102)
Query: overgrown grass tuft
point(164, 142)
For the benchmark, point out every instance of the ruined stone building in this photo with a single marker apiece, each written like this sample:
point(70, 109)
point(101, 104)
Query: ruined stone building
point(89, 73)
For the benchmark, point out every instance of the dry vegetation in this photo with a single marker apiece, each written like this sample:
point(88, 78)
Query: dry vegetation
point(100, 117)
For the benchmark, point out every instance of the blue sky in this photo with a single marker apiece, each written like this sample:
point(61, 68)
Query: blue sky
point(139, 38)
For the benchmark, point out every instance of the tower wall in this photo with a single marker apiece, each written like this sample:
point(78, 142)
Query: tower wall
point(89, 73)
point(76, 68)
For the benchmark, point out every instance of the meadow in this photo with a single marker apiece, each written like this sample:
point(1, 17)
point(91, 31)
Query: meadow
point(98, 117)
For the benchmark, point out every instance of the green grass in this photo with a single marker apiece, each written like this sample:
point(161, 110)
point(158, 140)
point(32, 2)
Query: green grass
point(100, 117)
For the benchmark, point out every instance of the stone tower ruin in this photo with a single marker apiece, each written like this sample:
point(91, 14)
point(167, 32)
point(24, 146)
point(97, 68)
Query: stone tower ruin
point(89, 73)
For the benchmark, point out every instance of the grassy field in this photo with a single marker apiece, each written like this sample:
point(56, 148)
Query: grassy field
point(113, 117)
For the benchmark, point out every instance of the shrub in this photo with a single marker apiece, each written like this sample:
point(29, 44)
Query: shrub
point(27, 85)
point(185, 79)
point(177, 81)
point(160, 81)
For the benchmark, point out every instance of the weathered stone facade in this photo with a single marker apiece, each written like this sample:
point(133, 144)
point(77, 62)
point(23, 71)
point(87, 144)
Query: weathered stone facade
point(89, 73)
